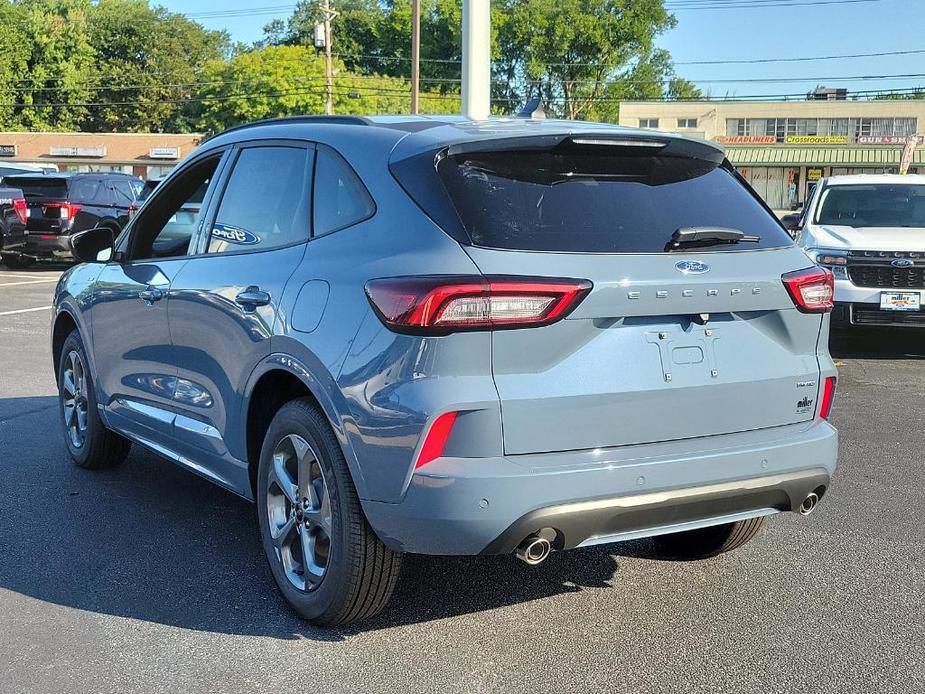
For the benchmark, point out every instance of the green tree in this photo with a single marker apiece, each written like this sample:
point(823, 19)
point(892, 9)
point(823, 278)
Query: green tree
point(55, 85)
point(578, 53)
point(289, 80)
point(14, 62)
point(150, 62)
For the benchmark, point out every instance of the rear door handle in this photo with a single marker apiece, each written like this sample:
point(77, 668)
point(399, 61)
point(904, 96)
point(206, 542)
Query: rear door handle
point(252, 297)
point(150, 295)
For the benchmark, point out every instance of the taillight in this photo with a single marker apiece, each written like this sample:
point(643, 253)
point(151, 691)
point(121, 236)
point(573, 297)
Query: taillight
point(828, 397)
point(132, 209)
point(22, 211)
point(441, 305)
point(812, 290)
point(436, 439)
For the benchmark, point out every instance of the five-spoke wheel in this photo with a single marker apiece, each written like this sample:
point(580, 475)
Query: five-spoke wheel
point(74, 404)
point(299, 512)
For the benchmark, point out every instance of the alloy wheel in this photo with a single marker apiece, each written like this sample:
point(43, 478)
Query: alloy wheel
point(75, 405)
point(299, 512)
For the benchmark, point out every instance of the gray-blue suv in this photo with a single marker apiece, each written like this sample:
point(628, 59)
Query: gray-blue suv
point(441, 336)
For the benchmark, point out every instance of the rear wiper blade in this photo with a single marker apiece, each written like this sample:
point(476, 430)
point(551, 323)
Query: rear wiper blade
point(708, 236)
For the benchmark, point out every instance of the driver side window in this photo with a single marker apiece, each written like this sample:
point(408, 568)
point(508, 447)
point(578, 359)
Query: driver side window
point(171, 219)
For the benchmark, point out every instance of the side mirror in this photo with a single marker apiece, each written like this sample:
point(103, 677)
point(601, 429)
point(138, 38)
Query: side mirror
point(93, 245)
point(791, 222)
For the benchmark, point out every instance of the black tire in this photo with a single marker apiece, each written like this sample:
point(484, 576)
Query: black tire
point(360, 572)
point(17, 262)
point(708, 542)
point(99, 447)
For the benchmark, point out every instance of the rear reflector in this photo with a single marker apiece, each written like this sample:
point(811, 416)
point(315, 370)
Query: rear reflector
point(828, 397)
point(436, 439)
point(442, 305)
point(812, 290)
point(22, 211)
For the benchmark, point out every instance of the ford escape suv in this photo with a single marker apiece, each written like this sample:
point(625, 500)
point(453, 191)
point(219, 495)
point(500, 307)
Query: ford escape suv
point(440, 336)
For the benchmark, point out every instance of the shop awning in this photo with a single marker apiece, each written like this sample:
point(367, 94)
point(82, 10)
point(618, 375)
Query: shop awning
point(820, 156)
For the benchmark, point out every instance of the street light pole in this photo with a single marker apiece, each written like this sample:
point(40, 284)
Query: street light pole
point(476, 59)
point(415, 56)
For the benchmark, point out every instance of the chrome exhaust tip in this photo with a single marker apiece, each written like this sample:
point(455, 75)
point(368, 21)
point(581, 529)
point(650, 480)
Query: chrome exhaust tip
point(809, 504)
point(533, 550)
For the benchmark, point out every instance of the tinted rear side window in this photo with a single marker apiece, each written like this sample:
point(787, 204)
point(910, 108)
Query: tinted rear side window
point(594, 201)
point(85, 189)
point(39, 187)
point(341, 199)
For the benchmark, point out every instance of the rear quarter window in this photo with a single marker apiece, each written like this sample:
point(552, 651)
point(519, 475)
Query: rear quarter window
point(595, 200)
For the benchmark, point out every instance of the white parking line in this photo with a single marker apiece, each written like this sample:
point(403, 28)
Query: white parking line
point(17, 284)
point(24, 310)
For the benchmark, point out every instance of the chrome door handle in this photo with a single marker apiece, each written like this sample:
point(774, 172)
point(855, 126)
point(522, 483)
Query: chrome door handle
point(150, 295)
point(252, 297)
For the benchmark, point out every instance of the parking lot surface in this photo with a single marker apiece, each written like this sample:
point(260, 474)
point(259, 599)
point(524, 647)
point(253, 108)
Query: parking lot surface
point(148, 579)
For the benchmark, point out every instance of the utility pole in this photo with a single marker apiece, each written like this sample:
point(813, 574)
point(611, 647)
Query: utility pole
point(415, 56)
point(329, 14)
point(476, 59)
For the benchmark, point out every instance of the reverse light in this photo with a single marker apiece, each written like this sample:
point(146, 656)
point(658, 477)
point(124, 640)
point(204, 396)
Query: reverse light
point(22, 211)
point(812, 290)
point(436, 439)
point(828, 397)
point(440, 305)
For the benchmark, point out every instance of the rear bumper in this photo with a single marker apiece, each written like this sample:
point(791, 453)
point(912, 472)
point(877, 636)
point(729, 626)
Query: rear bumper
point(46, 245)
point(488, 505)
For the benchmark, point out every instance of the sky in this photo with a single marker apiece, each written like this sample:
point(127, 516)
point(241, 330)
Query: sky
point(742, 30)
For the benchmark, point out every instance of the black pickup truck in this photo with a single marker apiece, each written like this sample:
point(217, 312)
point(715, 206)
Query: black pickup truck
point(13, 217)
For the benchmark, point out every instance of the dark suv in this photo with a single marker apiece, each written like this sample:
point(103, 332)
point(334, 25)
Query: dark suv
point(62, 204)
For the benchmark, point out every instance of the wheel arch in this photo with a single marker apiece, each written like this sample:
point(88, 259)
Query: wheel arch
point(64, 324)
point(281, 378)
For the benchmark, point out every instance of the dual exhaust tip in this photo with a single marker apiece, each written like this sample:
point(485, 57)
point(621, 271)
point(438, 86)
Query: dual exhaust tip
point(809, 504)
point(533, 550)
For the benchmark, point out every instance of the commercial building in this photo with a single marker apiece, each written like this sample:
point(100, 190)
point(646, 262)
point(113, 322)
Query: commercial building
point(146, 155)
point(784, 147)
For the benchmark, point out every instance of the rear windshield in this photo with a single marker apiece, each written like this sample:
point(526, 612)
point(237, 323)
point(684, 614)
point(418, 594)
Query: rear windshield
point(598, 202)
point(873, 206)
point(39, 187)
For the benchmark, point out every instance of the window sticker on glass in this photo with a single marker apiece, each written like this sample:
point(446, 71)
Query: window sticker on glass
point(230, 234)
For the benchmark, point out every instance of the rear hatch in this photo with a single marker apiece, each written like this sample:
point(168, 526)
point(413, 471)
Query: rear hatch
point(671, 343)
point(46, 200)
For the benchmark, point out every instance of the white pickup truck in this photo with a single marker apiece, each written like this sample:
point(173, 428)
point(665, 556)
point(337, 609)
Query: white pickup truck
point(869, 230)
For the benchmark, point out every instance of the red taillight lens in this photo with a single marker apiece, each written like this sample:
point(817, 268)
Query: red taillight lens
point(828, 397)
point(812, 290)
point(441, 305)
point(22, 211)
point(436, 439)
point(132, 209)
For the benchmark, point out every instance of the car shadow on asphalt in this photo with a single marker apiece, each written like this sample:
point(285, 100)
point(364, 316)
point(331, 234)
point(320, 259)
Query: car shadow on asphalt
point(882, 343)
point(153, 542)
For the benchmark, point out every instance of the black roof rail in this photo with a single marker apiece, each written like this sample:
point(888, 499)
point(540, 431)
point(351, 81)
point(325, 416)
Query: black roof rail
point(336, 120)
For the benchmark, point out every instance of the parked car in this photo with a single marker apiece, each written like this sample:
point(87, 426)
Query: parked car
point(869, 230)
point(12, 224)
point(13, 169)
point(418, 335)
point(63, 204)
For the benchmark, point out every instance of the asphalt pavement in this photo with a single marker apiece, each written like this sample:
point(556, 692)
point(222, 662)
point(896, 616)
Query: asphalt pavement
point(148, 579)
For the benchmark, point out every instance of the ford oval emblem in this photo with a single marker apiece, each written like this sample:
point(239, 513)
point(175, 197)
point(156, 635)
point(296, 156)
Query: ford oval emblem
point(902, 262)
point(691, 267)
